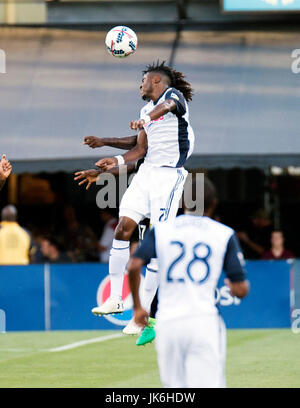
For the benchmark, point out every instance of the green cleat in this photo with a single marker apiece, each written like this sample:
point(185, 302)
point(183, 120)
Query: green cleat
point(148, 334)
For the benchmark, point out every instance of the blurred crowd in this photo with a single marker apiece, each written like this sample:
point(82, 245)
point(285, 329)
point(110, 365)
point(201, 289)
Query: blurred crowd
point(76, 242)
point(72, 243)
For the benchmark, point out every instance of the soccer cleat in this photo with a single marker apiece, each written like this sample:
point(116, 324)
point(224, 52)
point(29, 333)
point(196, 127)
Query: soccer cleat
point(111, 306)
point(148, 334)
point(132, 328)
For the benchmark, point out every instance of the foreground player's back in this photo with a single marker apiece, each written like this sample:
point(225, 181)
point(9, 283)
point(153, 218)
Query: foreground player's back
point(192, 252)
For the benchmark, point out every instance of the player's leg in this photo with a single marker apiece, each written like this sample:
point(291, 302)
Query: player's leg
point(133, 209)
point(164, 204)
point(170, 351)
point(203, 365)
point(165, 197)
point(222, 349)
point(149, 291)
point(150, 284)
point(119, 256)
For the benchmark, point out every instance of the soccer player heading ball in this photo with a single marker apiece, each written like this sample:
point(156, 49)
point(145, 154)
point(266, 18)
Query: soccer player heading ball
point(165, 140)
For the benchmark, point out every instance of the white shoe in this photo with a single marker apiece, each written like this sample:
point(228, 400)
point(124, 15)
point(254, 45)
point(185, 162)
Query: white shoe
point(132, 328)
point(111, 306)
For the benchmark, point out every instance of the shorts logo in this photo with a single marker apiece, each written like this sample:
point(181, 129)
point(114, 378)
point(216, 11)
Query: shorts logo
point(103, 293)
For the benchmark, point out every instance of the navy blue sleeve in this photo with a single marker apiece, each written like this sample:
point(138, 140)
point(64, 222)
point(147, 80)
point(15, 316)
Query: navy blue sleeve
point(147, 250)
point(234, 261)
point(178, 98)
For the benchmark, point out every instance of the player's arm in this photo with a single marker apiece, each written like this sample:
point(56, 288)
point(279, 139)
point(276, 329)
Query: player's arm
point(174, 102)
point(92, 175)
point(165, 107)
point(124, 143)
point(140, 258)
point(5, 170)
point(137, 152)
point(234, 268)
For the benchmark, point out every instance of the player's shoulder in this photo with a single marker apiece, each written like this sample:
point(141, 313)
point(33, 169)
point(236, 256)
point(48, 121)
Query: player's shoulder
point(217, 224)
point(203, 222)
point(219, 227)
point(172, 92)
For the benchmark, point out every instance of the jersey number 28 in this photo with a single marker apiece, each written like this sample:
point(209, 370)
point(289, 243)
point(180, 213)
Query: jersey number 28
point(195, 258)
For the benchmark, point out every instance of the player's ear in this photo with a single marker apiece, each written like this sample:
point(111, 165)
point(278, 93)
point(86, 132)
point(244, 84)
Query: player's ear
point(157, 78)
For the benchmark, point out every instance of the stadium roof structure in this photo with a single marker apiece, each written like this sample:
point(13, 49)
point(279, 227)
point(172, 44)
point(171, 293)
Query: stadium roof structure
point(62, 85)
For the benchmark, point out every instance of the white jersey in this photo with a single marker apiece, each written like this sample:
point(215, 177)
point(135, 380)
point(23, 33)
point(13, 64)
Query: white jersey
point(171, 137)
point(191, 252)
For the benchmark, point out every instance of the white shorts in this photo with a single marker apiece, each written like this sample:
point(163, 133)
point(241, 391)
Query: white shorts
point(191, 352)
point(154, 193)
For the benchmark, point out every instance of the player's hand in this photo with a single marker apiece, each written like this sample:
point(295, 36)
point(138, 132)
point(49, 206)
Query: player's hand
point(137, 124)
point(107, 164)
point(229, 285)
point(87, 176)
point(93, 141)
point(141, 317)
point(5, 168)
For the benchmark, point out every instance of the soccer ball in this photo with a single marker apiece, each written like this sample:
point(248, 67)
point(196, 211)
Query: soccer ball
point(121, 41)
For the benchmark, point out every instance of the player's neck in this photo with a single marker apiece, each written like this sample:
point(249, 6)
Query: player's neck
point(158, 92)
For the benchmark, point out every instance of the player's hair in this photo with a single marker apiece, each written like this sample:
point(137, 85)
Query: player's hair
point(210, 194)
point(176, 78)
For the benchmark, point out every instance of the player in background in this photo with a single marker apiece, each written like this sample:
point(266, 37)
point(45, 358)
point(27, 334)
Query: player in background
point(5, 170)
point(192, 251)
point(166, 140)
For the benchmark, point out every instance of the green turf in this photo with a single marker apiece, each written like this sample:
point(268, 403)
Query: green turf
point(255, 358)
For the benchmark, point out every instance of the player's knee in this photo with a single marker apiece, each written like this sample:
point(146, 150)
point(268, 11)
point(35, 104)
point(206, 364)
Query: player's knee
point(123, 231)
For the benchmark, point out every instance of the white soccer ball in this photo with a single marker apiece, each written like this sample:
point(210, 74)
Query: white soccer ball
point(121, 41)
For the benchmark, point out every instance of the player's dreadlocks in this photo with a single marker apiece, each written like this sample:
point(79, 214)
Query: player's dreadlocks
point(177, 79)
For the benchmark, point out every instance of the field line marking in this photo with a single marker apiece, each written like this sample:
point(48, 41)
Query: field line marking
point(84, 342)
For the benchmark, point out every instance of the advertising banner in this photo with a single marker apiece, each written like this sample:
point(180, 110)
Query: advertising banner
point(60, 297)
point(261, 5)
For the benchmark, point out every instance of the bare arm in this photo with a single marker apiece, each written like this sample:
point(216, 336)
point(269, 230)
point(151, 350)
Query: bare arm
point(167, 106)
point(243, 236)
point(137, 152)
point(91, 176)
point(134, 268)
point(125, 143)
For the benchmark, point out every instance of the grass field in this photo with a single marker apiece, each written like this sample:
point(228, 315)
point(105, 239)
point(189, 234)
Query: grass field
point(255, 358)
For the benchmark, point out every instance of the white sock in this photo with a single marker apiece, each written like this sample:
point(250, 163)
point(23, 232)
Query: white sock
point(150, 285)
point(119, 256)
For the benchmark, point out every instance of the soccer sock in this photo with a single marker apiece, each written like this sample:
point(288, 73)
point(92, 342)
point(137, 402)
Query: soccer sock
point(150, 285)
point(119, 256)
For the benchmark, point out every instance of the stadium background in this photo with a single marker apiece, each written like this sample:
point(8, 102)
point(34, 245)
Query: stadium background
point(61, 85)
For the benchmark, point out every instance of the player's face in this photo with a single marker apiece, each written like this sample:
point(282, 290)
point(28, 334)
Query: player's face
point(146, 87)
